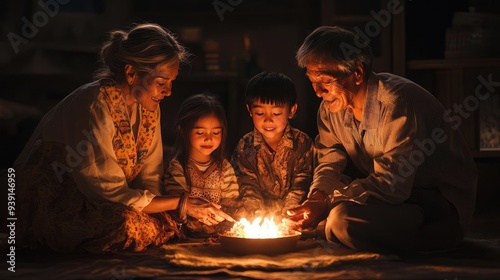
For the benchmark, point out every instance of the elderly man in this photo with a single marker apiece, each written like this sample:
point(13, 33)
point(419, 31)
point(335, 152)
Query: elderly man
point(416, 183)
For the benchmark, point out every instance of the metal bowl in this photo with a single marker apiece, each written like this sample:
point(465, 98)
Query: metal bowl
point(265, 246)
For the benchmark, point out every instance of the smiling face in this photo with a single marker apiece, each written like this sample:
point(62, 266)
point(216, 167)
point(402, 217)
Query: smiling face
point(271, 120)
point(150, 89)
point(205, 137)
point(338, 91)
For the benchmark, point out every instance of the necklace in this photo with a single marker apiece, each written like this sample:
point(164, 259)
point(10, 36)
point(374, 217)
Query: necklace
point(202, 164)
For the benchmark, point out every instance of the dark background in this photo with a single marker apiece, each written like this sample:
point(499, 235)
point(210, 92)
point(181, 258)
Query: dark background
point(62, 55)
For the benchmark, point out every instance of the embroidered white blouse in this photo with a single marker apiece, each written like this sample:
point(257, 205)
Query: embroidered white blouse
point(83, 123)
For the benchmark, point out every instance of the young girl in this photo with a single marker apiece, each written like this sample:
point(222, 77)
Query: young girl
point(199, 166)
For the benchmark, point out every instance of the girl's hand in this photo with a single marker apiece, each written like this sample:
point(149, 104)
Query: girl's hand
point(206, 212)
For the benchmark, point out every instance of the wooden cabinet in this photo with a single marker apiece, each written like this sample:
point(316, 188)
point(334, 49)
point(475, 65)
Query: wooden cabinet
point(465, 87)
point(450, 54)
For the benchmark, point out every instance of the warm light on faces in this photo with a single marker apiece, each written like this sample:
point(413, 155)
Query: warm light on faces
point(205, 137)
point(334, 91)
point(150, 89)
point(271, 119)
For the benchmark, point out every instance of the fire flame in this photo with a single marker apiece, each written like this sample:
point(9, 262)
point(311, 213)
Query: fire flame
point(259, 228)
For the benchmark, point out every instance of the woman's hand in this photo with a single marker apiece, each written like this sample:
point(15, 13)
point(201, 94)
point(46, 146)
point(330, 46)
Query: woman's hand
point(206, 212)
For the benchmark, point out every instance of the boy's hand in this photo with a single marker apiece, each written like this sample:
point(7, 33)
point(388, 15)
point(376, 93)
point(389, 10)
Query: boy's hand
point(310, 213)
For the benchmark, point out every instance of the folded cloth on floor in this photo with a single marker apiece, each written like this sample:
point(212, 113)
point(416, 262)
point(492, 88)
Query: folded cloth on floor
point(309, 254)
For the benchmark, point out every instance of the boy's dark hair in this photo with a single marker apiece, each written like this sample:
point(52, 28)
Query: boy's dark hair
point(191, 110)
point(271, 88)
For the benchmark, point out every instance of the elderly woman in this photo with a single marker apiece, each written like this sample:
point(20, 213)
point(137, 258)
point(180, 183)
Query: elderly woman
point(89, 178)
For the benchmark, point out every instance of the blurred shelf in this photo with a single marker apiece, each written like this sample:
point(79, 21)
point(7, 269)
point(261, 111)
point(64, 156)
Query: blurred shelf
point(486, 154)
point(239, 15)
point(453, 63)
point(207, 76)
point(65, 47)
point(353, 19)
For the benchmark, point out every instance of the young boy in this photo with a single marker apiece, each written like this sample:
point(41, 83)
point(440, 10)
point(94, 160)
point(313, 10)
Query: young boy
point(273, 163)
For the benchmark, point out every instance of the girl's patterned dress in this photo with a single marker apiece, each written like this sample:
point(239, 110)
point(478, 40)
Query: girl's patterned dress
point(211, 183)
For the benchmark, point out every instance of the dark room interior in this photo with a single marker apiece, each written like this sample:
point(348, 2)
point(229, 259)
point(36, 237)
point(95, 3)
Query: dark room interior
point(49, 48)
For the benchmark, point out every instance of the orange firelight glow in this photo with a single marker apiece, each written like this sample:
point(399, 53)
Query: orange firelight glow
point(259, 228)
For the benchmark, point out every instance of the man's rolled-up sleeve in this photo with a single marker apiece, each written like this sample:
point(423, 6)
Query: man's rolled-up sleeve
point(330, 157)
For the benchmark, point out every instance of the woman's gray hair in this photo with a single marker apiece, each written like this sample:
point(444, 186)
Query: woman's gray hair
point(333, 44)
point(144, 46)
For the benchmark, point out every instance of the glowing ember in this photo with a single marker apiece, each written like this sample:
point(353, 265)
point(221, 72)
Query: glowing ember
point(259, 228)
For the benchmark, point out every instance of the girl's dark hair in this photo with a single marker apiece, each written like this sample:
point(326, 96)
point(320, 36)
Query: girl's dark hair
point(144, 46)
point(271, 88)
point(333, 44)
point(191, 110)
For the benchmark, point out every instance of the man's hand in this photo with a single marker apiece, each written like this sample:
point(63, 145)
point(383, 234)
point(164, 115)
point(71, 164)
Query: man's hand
point(206, 212)
point(310, 213)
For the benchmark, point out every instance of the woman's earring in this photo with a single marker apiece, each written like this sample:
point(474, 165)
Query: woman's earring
point(358, 79)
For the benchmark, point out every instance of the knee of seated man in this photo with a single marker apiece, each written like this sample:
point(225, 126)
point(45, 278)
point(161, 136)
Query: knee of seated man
point(341, 221)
